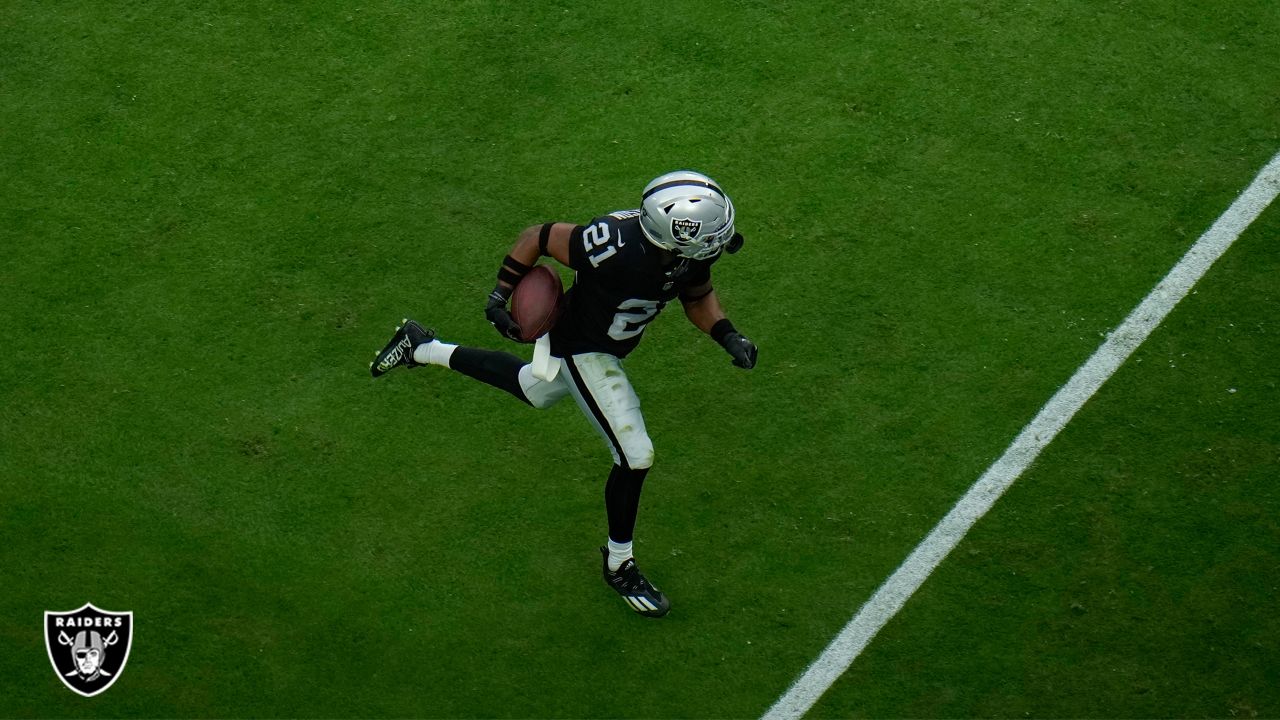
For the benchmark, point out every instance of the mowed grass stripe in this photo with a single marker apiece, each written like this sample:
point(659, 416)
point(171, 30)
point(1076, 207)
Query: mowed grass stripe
point(1052, 418)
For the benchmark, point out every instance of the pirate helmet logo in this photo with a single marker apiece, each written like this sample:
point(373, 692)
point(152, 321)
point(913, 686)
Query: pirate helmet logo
point(88, 647)
point(685, 230)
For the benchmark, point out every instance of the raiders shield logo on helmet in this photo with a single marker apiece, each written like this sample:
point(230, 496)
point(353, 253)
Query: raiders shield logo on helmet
point(88, 647)
point(685, 229)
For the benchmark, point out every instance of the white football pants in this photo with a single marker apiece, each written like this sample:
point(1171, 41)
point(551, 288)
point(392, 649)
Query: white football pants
point(599, 384)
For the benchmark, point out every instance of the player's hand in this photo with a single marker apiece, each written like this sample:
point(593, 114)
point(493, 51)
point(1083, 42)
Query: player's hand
point(495, 310)
point(743, 350)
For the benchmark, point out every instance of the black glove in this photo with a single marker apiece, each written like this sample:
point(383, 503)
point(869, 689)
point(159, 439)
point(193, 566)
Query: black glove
point(735, 343)
point(743, 350)
point(496, 312)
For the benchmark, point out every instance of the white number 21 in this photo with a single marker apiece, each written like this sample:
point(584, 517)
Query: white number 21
point(592, 238)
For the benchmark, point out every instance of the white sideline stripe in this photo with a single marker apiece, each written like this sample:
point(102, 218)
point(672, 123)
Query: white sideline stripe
point(890, 597)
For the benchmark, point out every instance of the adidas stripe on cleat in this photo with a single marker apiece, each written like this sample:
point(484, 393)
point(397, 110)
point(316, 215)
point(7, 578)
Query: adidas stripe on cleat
point(399, 350)
point(636, 590)
point(640, 603)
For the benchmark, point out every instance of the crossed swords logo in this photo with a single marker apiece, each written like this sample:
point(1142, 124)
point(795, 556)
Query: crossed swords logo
point(88, 647)
point(685, 229)
point(88, 651)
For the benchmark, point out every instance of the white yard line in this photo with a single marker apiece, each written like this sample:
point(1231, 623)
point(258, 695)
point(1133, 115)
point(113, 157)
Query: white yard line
point(890, 597)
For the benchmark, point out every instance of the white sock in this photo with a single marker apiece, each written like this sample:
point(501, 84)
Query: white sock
point(434, 353)
point(618, 554)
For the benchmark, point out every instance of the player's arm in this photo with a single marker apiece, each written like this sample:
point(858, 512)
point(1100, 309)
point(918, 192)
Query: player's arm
point(703, 309)
point(550, 239)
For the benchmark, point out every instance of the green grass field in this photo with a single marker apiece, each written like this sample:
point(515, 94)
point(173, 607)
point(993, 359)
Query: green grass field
point(213, 213)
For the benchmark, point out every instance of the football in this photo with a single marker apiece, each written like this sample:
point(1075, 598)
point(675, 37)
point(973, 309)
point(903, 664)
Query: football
point(536, 302)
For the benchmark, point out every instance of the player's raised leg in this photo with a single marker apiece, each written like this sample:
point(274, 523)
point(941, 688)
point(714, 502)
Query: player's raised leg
point(413, 346)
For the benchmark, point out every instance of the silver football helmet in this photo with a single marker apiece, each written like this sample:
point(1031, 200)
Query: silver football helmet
point(687, 213)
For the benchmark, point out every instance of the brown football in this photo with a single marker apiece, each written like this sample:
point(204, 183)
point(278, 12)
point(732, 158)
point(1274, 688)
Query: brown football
point(536, 302)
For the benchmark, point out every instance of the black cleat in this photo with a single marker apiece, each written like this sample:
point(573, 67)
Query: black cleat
point(639, 593)
point(399, 351)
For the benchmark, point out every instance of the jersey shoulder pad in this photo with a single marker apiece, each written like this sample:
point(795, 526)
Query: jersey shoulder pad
point(603, 242)
point(625, 214)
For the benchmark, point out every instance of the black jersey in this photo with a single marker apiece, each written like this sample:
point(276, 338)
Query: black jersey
point(620, 285)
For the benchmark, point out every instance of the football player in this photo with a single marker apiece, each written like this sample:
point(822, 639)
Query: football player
point(627, 266)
